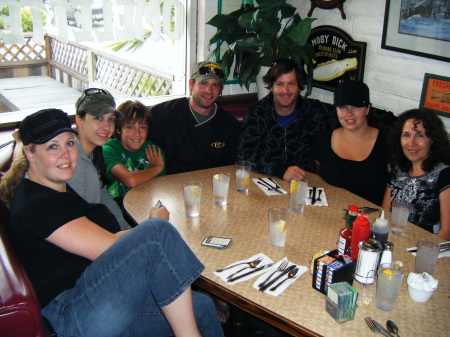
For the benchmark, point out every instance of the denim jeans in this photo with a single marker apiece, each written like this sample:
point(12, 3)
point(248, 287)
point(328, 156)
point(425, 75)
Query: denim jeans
point(121, 292)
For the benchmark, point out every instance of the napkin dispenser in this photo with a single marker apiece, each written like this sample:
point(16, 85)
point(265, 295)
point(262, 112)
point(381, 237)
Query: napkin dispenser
point(331, 268)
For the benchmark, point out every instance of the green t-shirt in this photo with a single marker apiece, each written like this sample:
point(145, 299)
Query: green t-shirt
point(114, 153)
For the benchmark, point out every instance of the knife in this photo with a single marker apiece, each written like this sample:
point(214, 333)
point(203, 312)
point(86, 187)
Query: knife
point(250, 272)
point(382, 329)
point(277, 187)
point(313, 201)
point(269, 187)
point(286, 271)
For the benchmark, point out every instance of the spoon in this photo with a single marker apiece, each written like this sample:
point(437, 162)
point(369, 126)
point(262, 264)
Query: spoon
point(291, 274)
point(252, 264)
point(392, 327)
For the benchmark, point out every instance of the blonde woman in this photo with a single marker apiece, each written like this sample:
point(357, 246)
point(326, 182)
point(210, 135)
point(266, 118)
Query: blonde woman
point(91, 278)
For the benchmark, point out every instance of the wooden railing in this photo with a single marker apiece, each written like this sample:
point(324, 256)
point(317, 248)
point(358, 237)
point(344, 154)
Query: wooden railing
point(80, 67)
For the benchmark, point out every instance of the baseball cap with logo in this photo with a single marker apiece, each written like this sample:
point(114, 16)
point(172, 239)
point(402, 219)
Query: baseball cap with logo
point(44, 125)
point(351, 93)
point(207, 69)
point(97, 102)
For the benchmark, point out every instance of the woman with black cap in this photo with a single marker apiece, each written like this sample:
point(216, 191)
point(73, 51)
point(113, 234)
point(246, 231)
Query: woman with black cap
point(91, 278)
point(353, 156)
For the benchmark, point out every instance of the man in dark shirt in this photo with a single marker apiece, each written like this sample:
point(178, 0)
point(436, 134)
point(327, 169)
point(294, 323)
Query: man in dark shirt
point(277, 130)
point(194, 132)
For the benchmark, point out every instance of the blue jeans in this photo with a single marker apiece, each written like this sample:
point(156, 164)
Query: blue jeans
point(121, 292)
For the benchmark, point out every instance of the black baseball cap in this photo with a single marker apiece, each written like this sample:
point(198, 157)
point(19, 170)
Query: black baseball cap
point(352, 93)
point(44, 125)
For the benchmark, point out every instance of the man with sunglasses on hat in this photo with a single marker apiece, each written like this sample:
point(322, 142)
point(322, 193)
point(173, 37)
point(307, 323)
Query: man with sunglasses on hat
point(276, 131)
point(194, 132)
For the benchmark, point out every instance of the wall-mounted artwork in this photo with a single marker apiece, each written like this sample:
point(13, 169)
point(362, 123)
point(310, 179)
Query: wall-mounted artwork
point(436, 94)
point(418, 27)
point(338, 57)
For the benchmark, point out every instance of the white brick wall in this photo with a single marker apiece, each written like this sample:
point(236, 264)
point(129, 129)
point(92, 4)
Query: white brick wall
point(395, 79)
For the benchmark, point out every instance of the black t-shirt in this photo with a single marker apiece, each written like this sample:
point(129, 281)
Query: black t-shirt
point(191, 145)
point(36, 212)
point(366, 178)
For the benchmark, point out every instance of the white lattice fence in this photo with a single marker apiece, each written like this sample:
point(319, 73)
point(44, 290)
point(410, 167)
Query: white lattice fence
point(129, 80)
point(30, 51)
point(70, 56)
point(73, 61)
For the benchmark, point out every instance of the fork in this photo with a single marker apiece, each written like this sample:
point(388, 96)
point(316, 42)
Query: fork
point(257, 261)
point(281, 267)
point(318, 197)
point(373, 327)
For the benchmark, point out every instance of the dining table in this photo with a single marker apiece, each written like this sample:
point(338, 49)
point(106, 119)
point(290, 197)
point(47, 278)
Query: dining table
point(300, 309)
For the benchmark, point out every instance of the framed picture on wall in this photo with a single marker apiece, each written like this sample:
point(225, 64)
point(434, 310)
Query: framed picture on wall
point(418, 28)
point(436, 94)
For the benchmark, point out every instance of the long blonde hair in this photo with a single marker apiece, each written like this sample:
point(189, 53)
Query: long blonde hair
point(11, 178)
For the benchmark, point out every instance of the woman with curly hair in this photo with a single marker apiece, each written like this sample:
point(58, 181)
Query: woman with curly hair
point(420, 176)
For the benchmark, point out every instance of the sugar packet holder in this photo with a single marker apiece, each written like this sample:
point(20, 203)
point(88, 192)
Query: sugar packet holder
point(341, 302)
point(327, 271)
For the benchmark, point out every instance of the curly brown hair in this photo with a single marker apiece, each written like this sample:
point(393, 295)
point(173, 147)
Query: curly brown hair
point(434, 129)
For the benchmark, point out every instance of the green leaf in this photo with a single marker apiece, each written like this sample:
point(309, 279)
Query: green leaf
point(287, 11)
point(227, 61)
point(301, 31)
point(250, 44)
point(248, 71)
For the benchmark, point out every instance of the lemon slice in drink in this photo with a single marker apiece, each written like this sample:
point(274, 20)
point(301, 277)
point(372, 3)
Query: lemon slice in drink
point(281, 225)
point(245, 181)
point(388, 272)
point(294, 186)
point(217, 176)
point(194, 191)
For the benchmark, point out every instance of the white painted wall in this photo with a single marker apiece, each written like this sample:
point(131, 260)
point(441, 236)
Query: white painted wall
point(395, 79)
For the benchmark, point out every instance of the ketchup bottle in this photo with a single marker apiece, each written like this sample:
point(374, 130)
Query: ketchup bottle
point(345, 235)
point(360, 232)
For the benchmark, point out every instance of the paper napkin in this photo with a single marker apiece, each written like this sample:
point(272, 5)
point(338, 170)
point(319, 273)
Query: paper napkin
point(285, 284)
point(262, 184)
point(224, 274)
point(323, 197)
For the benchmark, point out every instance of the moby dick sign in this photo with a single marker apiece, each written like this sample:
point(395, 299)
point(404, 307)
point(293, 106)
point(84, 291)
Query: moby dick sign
point(436, 94)
point(337, 57)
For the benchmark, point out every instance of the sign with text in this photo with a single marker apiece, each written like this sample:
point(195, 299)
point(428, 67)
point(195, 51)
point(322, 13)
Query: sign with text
point(436, 94)
point(100, 20)
point(338, 57)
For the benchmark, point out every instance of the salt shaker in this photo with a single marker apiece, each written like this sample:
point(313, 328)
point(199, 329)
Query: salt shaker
point(386, 257)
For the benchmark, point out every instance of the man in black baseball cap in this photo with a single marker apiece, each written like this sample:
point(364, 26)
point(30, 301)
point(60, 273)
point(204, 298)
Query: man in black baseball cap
point(195, 132)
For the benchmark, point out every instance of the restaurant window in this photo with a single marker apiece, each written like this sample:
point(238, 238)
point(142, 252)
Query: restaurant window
point(152, 34)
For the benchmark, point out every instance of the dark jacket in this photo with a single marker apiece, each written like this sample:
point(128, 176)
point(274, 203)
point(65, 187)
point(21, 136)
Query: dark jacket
point(272, 149)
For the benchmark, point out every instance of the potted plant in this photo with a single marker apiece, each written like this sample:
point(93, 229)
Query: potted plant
point(268, 32)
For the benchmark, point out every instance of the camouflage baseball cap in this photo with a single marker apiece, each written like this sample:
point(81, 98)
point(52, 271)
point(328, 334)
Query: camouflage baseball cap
point(97, 102)
point(207, 69)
